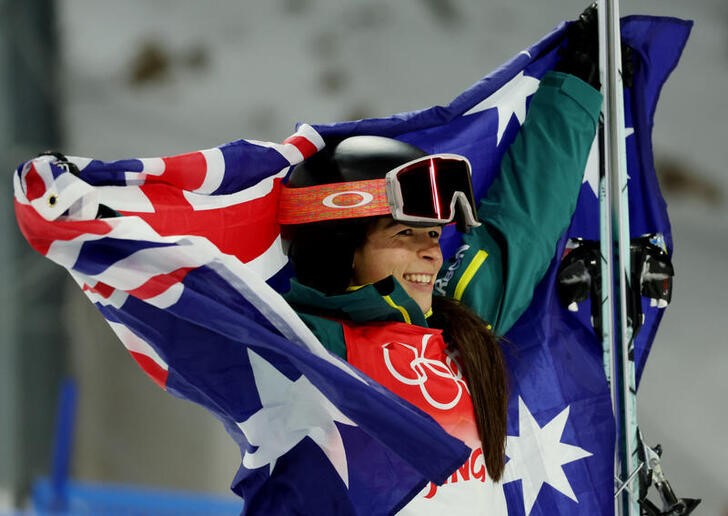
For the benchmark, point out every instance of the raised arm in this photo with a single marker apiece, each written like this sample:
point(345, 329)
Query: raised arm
point(529, 205)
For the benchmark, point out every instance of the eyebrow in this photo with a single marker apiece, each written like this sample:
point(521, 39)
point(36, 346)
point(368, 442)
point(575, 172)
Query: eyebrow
point(392, 223)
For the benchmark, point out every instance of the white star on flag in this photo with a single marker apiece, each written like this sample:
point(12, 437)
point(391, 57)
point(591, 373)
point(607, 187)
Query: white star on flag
point(509, 100)
point(537, 455)
point(291, 411)
point(591, 171)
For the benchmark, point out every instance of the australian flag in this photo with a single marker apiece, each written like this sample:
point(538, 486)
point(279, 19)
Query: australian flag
point(183, 257)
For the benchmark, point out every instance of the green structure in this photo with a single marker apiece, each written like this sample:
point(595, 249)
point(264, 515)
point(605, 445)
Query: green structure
point(32, 347)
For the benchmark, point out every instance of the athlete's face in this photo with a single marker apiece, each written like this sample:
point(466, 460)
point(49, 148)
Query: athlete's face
point(412, 255)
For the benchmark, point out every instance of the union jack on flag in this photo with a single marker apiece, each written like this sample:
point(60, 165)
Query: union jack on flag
point(189, 268)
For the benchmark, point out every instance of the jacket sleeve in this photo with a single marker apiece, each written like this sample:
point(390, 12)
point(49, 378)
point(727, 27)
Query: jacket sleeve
point(528, 206)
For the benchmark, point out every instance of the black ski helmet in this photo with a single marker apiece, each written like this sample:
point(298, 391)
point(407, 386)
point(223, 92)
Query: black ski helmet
point(356, 158)
point(322, 253)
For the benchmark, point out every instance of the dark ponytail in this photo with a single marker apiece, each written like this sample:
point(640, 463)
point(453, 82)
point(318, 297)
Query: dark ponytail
point(485, 371)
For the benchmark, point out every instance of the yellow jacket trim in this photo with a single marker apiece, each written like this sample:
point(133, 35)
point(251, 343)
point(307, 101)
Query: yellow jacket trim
point(401, 309)
point(470, 271)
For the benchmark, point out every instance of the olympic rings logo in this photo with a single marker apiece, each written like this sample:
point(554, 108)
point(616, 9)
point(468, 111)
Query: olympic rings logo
point(424, 367)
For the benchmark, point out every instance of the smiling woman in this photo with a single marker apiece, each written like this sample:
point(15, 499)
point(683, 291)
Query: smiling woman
point(365, 287)
point(371, 284)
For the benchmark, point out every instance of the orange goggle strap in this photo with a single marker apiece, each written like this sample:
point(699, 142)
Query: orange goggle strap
point(349, 200)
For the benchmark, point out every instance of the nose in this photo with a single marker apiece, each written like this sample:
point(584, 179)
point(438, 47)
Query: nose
point(429, 249)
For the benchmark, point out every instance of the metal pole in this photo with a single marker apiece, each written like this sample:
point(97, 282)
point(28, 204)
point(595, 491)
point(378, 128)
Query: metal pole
point(605, 218)
point(622, 379)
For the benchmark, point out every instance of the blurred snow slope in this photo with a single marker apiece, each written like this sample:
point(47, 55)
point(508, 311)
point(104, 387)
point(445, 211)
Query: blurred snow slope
point(252, 69)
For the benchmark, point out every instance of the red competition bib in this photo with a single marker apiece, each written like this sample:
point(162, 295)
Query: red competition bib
point(415, 363)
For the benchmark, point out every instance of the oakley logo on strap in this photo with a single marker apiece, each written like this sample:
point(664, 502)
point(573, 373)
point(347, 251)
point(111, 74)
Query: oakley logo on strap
point(348, 199)
point(422, 369)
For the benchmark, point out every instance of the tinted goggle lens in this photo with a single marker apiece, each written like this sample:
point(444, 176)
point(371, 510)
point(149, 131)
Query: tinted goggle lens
point(434, 189)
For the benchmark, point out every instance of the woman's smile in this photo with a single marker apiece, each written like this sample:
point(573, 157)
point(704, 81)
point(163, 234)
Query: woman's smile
point(411, 254)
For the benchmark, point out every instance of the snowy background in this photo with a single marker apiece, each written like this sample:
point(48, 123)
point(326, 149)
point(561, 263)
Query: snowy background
point(160, 77)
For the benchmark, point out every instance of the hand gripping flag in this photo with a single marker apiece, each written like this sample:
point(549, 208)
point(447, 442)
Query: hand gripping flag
point(189, 269)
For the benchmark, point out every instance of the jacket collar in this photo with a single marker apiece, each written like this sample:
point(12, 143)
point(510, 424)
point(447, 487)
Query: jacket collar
point(385, 300)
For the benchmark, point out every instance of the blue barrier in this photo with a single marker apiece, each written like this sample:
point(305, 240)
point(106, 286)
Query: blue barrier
point(58, 495)
point(84, 498)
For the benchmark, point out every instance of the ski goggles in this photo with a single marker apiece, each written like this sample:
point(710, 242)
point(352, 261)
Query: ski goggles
point(429, 191)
